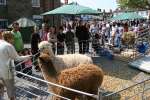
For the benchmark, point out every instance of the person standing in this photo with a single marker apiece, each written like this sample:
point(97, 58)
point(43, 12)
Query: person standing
point(52, 38)
point(126, 27)
point(69, 40)
point(44, 32)
point(103, 34)
point(35, 39)
point(18, 42)
point(113, 34)
point(119, 35)
point(83, 36)
point(60, 41)
point(7, 56)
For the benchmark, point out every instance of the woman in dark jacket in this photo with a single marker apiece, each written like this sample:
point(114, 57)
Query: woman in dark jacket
point(60, 41)
point(35, 39)
point(82, 34)
point(69, 40)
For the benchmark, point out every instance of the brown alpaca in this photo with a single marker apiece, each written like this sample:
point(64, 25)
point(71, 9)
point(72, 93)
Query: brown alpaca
point(85, 77)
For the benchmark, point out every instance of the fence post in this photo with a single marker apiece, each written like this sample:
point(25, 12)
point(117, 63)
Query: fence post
point(100, 94)
point(143, 91)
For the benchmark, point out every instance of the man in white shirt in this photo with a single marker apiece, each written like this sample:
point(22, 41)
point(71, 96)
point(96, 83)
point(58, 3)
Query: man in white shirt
point(7, 56)
point(113, 33)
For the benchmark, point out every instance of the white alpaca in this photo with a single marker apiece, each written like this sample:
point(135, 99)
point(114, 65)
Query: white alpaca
point(64, 61)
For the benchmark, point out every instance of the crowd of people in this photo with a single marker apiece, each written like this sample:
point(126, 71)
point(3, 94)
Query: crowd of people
point(99, 33)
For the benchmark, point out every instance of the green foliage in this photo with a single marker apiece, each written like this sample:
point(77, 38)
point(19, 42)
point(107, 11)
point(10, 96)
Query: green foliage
point(134, 4)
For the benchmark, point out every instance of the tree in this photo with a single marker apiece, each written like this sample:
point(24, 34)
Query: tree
point(134, 4)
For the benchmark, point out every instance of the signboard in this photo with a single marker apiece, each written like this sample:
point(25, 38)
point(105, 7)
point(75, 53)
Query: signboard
point(37, 17)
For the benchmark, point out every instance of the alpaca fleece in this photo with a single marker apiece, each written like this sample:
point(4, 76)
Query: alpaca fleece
point(84, 77)
point(62, 62)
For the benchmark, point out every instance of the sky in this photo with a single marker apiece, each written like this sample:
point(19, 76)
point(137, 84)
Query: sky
point(102, 4)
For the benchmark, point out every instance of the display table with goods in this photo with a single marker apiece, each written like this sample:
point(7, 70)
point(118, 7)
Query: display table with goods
point(142, 63)
point(127, 55)
point(136, 52)
point(127, 51)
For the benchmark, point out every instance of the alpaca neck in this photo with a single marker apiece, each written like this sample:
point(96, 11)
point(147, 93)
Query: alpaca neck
point(49, 72)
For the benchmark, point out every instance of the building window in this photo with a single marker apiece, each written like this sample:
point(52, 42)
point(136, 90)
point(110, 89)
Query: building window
point(35, 3)
point(2, 2)
point(3, 23)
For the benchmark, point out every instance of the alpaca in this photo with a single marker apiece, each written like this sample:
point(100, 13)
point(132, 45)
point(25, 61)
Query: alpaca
point(64, 61)
point(84, 77)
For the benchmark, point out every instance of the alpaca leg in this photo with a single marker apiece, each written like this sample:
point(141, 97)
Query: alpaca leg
point(92, 91)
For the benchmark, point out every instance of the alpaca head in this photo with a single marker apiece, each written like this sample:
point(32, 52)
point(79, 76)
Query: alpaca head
point(45, 47)
point(44, 58)
point(46, 65)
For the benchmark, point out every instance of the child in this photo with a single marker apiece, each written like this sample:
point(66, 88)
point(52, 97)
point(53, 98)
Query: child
point(28, 64)
point(96, 43)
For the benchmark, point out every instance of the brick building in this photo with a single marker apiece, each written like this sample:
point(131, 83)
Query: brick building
point(11, 10)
